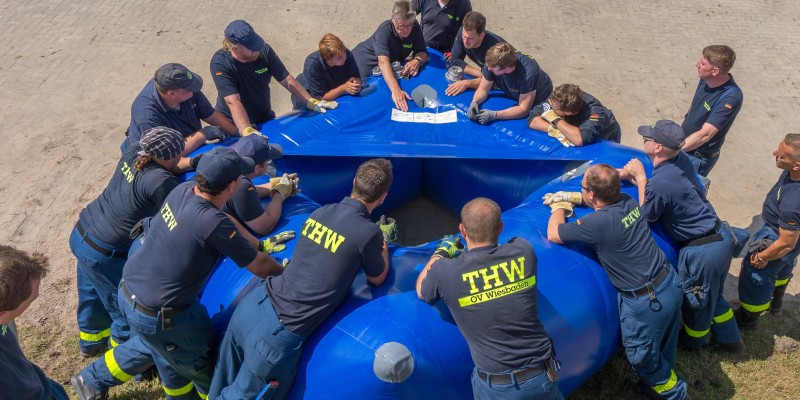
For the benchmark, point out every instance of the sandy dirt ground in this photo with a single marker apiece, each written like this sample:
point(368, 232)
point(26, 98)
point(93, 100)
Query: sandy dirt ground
point(69, 71)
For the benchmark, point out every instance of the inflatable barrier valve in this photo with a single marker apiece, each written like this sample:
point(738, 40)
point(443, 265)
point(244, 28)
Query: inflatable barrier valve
point(393, 363)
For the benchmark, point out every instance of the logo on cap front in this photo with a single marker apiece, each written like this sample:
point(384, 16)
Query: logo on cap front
point(189, 75)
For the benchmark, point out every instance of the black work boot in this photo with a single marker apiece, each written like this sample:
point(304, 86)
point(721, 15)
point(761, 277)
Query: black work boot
point(730, 348)
point(745, 319)
point(776, 305)
point(86, 391)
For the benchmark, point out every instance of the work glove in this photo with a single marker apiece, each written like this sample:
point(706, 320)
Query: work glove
point(194, 161)
point(550, 115)
point(449, 247)
point(388, 228)
point(320, 106)
point(555, 133)
point(565, 205)
point(285, 186)
point(251, 131)
point(275, 243)
point(213, 134)
point(757, 246)
point(485, 117)
point(473, 110)
point(292, 177)
point(572, 197)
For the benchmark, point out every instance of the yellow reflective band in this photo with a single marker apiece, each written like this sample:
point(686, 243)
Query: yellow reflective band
point(113, 342)
point(755, 308)
point(695, 334)
point(497, 292)
point(114, 368)
point(726, 316)
point(669, 384)
point(179, 391)
point(202, 396)
point(95, 337)
point(781, 282)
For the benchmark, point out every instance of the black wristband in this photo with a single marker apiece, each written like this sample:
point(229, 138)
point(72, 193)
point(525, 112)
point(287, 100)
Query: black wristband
point(194, 161)
point(555, 122)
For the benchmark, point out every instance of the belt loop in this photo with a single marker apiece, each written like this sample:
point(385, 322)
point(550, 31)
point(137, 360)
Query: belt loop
point(514, 378)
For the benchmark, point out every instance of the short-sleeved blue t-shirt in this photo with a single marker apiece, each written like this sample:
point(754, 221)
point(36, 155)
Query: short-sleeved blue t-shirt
point(782, 205)
point(130, 196)
point(594, 121)
point(335, 241)
point(440, 24)
point(20, 379)
point(249, 80)
point(478, 54)
point(675, 196)
point(149, 111)
point(183, 243)
point(718, 106)
point(526, 77)
point(245, 205)
point(491, 292)
point(319, 78)
point(386, 42)
point(622, 240)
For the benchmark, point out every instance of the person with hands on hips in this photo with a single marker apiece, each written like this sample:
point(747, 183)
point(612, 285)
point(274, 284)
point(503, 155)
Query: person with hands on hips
point(242, 71)
point(520, 79)
point(472, 41)
point(395, 40)
point(513, 355)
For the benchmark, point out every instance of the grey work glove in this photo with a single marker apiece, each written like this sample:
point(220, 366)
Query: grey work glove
point(473, 110)
point(485, 117)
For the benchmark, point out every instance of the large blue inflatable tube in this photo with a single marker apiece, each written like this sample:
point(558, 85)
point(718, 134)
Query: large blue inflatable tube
point(450, 164)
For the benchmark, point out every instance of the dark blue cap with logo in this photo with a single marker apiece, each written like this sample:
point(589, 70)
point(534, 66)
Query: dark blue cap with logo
point(221, 165)
point(241, 33)
point(666, 133)
point(258, 148)
point(174, 76)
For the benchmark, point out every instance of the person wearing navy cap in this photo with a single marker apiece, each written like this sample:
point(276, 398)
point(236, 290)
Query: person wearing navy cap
point(158, 294)
point(675, 197)
point(245, 205)
point(173, 99)
point(472, 41)
point(330, 72)
point(242, 71)
point(648, 289)
point(395, 40)
point(440, 20)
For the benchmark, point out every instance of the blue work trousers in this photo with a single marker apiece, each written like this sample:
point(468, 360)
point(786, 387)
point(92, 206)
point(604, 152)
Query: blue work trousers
point(702, 165)
point(256, 350)
point(756, 285)
point(183, 348)
point(98, 278)
point(57, 391)
point(540, 387)
point(703, 270)
point(650, 336)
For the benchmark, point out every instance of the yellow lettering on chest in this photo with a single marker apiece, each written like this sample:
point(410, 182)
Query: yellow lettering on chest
point(168, 216)
point(322, 235)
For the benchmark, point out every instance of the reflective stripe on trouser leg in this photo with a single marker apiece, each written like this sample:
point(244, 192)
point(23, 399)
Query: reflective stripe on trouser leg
point(669, 384)
point(695, 334)
point(114, 368)
point(756, 285)
point(181, 391)
point(95, 337)
point(781, 282)
point(119, 364)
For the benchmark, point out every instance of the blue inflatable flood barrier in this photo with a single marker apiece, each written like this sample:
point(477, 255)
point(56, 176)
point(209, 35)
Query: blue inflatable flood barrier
point(450, 164)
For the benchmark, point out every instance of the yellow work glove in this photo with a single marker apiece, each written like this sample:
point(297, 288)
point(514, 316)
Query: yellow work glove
point(555, 133)
point(550, 115)
point(321, 105)
point(285, 187)
point(294, 180)
point(275, 243)
point(572, 197)
point(251, 131)
point(563, 205)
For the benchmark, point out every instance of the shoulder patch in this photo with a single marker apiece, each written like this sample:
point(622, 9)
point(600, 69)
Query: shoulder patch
point(218, 73)
point(594, 117)
point(251, 188)
point(578, 222)
point(729, 106)
point(792, 223)
point(233, 233)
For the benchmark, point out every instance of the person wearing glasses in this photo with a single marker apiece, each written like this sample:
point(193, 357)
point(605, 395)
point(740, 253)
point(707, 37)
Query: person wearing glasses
point(576, 115)
point(395, 40)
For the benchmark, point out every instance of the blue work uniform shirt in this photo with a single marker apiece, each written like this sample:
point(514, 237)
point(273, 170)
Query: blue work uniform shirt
point(718, 106)
point(440, 24)
point(594, 121)
point(782, 205)
point(319, 78)
point(620, 236)
point(526, 77)
point(250, 80)
point(245, 205)
point(149, 111)
point(183, 243)
point(386, 42)
point(130, 196)
point(335, 242)
point(675, 196)
point(20, 379)
point(491, 292)
point(478, 54)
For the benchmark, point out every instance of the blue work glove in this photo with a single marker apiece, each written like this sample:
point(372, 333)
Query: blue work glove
point(275, 243)
point(485, 117)
point(449, 247)
point(388, 228)
point(213, 134)
point(473, 110)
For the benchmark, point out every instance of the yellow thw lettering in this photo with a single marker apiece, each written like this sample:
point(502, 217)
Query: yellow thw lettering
point(632, 216)
point(471, 276)
point(333, 240)
point(126, 171)
point(317, 232)
point(168, 216)
point(517, 270)
point(495, 276)
point(308, 224)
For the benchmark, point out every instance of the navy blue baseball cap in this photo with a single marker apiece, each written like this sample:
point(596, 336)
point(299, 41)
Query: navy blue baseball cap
point(222, 165)
point(241, 33)
point(258, 148)
point(174, 76)
point(666, 133)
